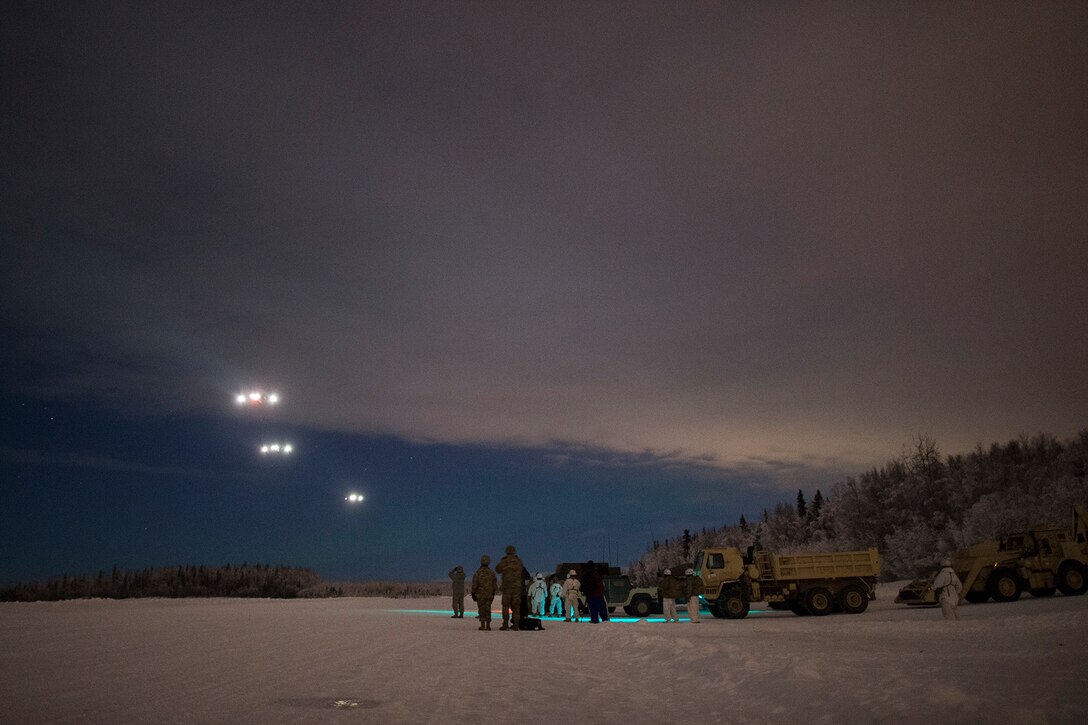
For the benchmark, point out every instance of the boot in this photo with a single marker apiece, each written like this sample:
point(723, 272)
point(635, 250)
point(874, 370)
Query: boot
point(488, 625)
point(483, 626)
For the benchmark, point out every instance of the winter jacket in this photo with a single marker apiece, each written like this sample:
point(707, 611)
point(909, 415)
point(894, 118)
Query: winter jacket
point(594, 584)
point(538, 589)
point(947, 585)
point(668, 588)
point(571, 585)
point(457, 576)
point(511, 569)
point(696, 586)
point(483, 584)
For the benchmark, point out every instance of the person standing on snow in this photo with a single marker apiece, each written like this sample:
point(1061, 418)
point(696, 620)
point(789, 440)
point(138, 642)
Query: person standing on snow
point(483, 591)
point(457, 576)
point(556, 592)
point(593, 588)
point(948, 588)
point(538, 590)
point(571, 588)
point(668, 588)
point(511, 568)
point(695, 589)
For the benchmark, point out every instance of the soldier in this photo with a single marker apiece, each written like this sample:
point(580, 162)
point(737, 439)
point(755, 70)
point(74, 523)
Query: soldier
point(571, 589)
point(511, 568)
point(556, 591)
point(457, 576)
point(483, 591)
point(668, 588)
point(538, 590)
point(948, 587)
point(695, 589)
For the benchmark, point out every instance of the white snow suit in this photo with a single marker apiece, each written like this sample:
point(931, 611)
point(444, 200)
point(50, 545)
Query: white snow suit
point(571, 587)
point(537, 591)
point(556, 591)
point(948, 588)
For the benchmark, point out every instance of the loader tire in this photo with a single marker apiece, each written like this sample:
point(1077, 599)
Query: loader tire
point(1044, 592)
point(1071, 580)
point(1004, 586)
point(853, 599)
point(976, 596)
point(733, 606)
point(819, 602)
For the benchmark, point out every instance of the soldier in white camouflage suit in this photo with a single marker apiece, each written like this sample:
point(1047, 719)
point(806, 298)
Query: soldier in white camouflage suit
point(538, 591)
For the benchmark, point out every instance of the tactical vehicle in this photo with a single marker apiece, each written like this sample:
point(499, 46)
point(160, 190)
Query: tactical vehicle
point(618, 589)
point(1042, 560)
point(816, 584)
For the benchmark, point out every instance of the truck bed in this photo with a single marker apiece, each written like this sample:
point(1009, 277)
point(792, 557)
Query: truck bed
point(833, 565)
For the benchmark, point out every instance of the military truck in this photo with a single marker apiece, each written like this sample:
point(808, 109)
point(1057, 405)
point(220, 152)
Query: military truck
point(618, 589)
point(1042, 560)
point(816, 584)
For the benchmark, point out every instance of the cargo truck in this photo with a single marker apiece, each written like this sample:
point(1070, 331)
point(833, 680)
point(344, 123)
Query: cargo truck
point(816, 584)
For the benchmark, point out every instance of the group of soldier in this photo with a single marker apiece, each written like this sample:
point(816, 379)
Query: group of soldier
point(686, 588)
point(521, 591)
point(523, 595)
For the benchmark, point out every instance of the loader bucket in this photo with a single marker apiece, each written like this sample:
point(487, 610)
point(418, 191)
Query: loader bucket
point(916, 593)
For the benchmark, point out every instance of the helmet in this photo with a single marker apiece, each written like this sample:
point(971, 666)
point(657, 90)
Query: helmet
point(571, 572)
point(690, 572)
point(668, 572)
point(946, 562)
point(485, 560)
point(511, 550)
point(539, 576)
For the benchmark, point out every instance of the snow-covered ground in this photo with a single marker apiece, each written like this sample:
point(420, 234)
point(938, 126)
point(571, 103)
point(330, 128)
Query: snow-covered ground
point(406, 661)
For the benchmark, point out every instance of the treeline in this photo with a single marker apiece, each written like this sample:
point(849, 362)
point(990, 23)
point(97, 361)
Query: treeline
point(258, 580)
point(916, 508)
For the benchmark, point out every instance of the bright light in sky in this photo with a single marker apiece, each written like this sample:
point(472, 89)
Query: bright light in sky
point(354, 498)
point(277, 448)
point(257, 397)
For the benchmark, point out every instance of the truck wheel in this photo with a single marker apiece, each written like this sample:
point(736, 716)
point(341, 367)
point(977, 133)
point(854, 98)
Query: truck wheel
point(641, 607)
point(1071, 580)
point(733, 606)
point(715, 611)
point(1004, 586)
point(629, 610)
point(853, 599)
point(819, 602)
point(797, 606)
point(976, 596)
point(1044, 592)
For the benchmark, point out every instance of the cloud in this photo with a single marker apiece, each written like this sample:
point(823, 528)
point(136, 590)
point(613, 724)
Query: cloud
point(732, 238)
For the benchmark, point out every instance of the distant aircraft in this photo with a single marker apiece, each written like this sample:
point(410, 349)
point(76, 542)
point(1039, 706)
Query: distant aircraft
point(255, 398)
point(354, 498)
point(277, 449)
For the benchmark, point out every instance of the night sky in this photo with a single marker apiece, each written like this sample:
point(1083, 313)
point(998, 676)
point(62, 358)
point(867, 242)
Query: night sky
point(572, 276)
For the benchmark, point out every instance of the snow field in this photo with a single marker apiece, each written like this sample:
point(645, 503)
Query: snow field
point(357, 660)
